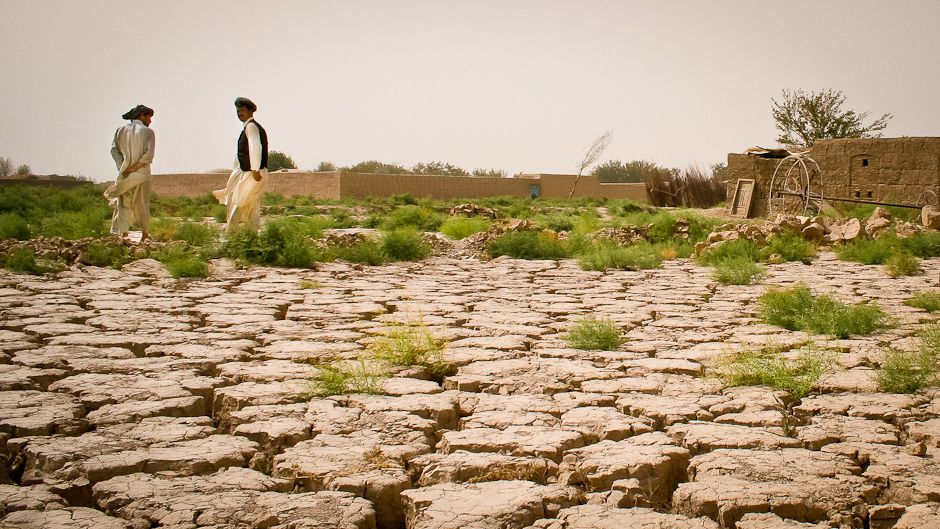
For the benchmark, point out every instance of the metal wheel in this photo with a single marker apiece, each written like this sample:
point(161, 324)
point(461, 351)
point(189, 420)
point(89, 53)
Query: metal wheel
point(790, 192)
point(929, 198)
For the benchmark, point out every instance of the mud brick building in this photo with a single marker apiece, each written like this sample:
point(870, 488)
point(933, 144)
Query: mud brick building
point(894, 170)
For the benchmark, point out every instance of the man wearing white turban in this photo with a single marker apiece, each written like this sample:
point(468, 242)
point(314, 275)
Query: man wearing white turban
point(132, 150)
point(245, 187)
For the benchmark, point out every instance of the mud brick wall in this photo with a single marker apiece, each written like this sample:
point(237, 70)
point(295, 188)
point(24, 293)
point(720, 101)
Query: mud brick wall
point(343, 184)
point(315, 185)
point(894, 170)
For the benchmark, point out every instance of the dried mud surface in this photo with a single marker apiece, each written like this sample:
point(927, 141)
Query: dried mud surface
point(132, 400)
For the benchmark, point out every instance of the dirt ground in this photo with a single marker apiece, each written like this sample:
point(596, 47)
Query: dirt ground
point(129, 399)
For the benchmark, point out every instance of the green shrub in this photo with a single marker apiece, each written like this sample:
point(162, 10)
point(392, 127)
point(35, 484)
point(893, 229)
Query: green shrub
point(418, 217)
point(74, 225)
point(105, 254)
point(24, 260)
point(180, 262)
point(924, 245)
point(368, 252)
point(790, 246)
point(929, 301)
point(340, 378)
point(738, 271)
point(412, 344)
point(196, 234)
point(769, 368)
point(527, 245)
point(868, 251)
point(907, 371)
point(461, 227)
point(604, 255)
point(341, 218)
point(739, 250)
point(798, 309)
point(282, 242)
point(404, 245)
point(242, 244)
point(12, 226)
point(557, 222)
point(591, 333)
point(902, 263)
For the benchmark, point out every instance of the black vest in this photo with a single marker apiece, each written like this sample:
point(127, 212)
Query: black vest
point(244, 161)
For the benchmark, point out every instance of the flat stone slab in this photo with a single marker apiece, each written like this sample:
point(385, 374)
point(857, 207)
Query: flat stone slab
point(25, 413)
point(35, 498)
point(607, 517)
point(793, 483)
point(537, 441)
point(828, 429)
point(468, 467)
point(67, 518)
point(505, 504)
point(904, 477)
point(651, 459)
point(183, 444)
point(229, 498)
point(699, 437)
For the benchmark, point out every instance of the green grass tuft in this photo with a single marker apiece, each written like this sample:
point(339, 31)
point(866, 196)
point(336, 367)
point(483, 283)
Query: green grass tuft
point(462, 227)
point(738, 271)
point(868, 251)
point(527, 245)
point(105, 254)
point(902, 263)
point(340, 378)
point(404, 244)
point(929, 301)
point(798, 309)
point(412, 344)
point(740, 250)
point(12, 226)
point(24, 260)
point(604, 255)
point(769, 368)
point(368, 252)
point(183, 263)
point(790, 246)
point(590, 333)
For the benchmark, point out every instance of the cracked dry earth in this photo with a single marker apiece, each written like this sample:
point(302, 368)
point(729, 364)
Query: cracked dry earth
point(131, 400)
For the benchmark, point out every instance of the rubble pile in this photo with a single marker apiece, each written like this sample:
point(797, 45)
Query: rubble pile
point(821, 230)
point(474, 210)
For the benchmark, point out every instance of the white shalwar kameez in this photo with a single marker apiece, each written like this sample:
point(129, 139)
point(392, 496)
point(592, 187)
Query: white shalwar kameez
point(130, 195)
point(242, 193)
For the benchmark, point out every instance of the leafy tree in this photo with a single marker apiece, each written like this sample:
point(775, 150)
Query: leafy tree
point(495, 173)
point(24, 170)
point(377, 167)
point(278, 160)
point(615, 171)
point(719, 171)
point(804, 117)
point(6, 166)
point(326, 166)
point(438, 168)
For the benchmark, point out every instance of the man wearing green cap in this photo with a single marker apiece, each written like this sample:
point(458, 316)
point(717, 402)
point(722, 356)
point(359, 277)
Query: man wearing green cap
point(245, 187)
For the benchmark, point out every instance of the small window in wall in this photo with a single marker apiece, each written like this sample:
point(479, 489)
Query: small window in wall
point(869, 194)
point(535, 191)
point(858, 194)
point(864, 162)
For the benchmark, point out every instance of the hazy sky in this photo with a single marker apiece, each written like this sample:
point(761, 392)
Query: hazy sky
point(523, 86)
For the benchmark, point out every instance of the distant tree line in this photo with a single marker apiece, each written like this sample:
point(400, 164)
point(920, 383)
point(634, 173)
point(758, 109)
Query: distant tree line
point(9, 168)
point(428, 168)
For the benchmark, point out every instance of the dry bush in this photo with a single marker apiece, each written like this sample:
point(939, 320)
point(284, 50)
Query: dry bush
point(692, 188)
